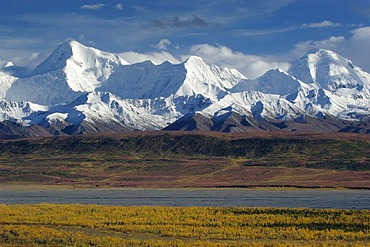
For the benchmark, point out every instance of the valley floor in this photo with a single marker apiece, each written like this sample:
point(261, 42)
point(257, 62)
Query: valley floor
point(167, 173)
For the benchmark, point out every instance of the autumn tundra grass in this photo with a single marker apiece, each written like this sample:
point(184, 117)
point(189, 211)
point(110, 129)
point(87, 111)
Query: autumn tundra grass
point(189, 160)
point(90, 225)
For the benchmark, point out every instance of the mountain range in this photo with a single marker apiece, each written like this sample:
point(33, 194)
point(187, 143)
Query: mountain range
point(80, 89)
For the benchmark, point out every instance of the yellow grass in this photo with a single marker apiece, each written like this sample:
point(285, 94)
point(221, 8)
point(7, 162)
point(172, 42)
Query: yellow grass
point(91, 225)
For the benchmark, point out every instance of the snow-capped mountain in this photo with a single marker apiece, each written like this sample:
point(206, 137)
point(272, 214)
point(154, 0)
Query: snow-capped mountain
point(80, 89)
point(71, 70)
point(330, 71)
point(342, 89)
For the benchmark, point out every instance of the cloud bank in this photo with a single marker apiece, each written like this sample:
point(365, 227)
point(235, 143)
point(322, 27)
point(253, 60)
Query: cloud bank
point(250, 66)
point(355, 48)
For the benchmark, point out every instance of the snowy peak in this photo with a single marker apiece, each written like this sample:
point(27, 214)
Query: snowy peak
point(193, 77)
point(329, 71)
point(208, 79)
point(8, 64)
point(206, 71)
point(70, 70)
point(80, 55)
point(194, 60)
point(56, 60)
point(275, 81)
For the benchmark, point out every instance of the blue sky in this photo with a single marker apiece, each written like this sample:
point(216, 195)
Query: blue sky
point(252, 36)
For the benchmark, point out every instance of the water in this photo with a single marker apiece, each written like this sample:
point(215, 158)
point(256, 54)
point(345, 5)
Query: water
point(341, 199)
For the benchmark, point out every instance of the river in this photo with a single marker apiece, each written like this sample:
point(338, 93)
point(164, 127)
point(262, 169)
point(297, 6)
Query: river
point(290, 198)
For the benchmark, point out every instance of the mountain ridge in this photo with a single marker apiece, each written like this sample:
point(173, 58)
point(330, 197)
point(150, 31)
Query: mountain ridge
point(80, 89)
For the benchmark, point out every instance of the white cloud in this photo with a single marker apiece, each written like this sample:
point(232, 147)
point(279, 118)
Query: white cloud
point(251, 66)
point(119, 6)
point(82, 39)
point(93, 6)
point(18, 51)
point(355, 25)
point(323, 24)
point(332, 43)
point(357, 47)
point(262, 32)
point(34, 55)
point(163, 44)
point(155, 57)
point(22, 58)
